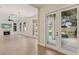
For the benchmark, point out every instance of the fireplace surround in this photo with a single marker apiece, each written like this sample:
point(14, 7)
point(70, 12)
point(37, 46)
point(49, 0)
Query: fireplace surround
point(6, 33)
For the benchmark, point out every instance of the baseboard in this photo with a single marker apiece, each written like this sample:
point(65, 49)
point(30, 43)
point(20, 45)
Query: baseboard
point(41, 44)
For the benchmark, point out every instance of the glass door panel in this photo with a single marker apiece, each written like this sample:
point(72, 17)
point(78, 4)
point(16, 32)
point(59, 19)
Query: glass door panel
point(50, 26)
point(69, 30)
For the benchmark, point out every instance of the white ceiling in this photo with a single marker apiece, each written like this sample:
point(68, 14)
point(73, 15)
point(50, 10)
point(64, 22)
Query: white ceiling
point(18, 9)
point(38, 5)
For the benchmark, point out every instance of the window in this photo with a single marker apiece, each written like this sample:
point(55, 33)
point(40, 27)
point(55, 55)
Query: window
point(14, 27)
point(35, 27)
point(24, 26)
point(69, 29)
point(20, 26)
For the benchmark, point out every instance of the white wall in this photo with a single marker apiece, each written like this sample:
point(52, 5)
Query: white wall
point(43, 11)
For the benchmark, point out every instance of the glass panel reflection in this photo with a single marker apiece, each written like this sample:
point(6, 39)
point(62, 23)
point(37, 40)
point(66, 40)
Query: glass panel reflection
point(69, 29)
point(51, 38)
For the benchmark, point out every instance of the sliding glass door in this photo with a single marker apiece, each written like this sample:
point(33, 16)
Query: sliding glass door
point(50, 29)
point(69, 30)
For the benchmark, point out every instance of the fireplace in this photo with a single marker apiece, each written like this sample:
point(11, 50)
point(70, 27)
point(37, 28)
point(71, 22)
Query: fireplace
point(6, 32)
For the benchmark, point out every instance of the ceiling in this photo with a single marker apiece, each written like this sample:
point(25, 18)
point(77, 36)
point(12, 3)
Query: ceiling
point(38, 5)
point(23, 10)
